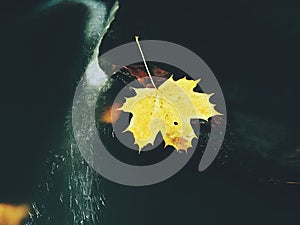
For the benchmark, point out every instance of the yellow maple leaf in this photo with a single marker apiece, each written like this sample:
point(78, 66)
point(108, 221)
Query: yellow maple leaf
point(167, 109)
point(13, 214)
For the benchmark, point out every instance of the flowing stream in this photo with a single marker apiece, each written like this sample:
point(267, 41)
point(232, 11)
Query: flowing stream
point(71, 193)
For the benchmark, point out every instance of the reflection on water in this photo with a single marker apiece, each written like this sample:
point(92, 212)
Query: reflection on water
point(71, 193)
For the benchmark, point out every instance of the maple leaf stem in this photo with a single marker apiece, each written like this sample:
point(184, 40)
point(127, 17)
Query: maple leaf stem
point(147, 69)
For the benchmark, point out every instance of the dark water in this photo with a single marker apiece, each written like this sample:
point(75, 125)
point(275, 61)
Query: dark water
point(251, 46)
